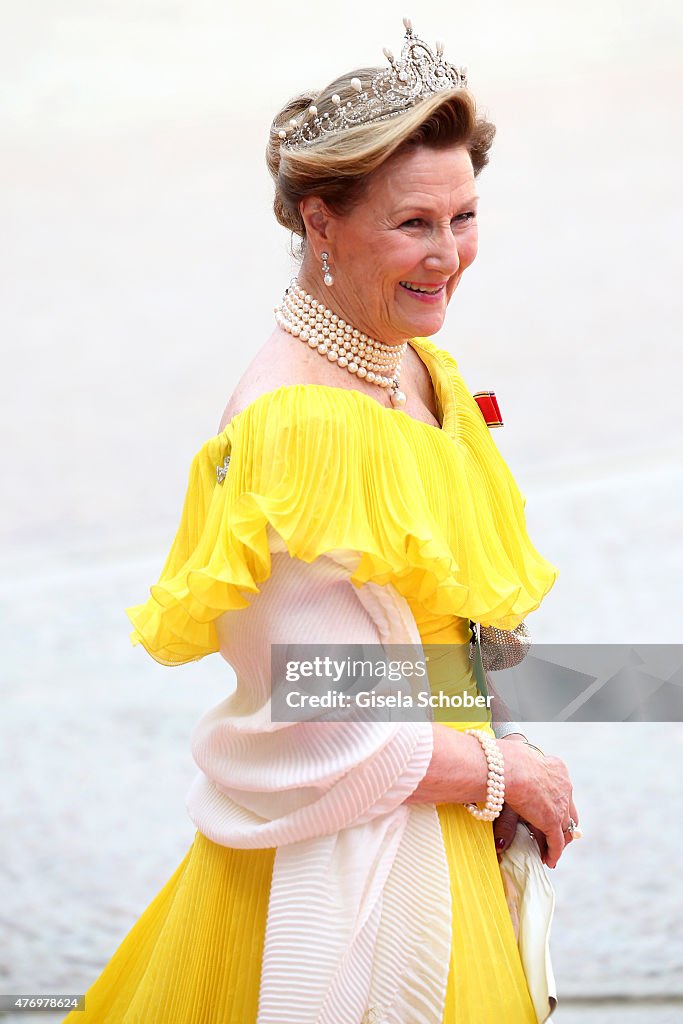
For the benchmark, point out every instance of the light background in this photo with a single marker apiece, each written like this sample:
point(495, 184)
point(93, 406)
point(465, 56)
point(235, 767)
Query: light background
point(140, 264)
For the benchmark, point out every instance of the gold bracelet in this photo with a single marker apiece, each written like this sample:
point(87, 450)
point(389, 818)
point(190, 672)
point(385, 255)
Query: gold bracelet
point(535, 747)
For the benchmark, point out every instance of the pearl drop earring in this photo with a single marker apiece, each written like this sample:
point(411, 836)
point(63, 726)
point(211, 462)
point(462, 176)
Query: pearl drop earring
point(327, 276)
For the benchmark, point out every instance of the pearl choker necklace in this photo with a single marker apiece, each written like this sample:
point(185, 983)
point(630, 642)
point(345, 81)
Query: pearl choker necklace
point(305, 318)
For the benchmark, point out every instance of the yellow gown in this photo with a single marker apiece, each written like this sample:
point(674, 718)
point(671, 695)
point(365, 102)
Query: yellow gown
point(437, 514)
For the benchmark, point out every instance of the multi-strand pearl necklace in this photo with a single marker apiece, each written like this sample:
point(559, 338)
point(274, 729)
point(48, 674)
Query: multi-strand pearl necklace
point(305, 318)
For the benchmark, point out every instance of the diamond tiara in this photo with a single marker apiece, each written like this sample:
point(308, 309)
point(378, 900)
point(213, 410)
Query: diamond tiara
point(421, 72)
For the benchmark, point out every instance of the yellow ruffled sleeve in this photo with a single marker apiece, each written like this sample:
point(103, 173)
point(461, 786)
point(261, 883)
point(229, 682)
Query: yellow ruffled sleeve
point(331, 470)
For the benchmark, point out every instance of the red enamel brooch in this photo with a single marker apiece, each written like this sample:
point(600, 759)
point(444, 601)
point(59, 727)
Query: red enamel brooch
point(488, 406)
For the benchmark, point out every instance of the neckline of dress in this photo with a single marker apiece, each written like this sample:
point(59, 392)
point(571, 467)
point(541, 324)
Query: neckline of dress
point(443, 395)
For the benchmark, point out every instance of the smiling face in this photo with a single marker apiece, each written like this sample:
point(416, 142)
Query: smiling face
point(415, 228)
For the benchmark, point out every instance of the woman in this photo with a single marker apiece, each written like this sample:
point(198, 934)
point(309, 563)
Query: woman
point(348, 871)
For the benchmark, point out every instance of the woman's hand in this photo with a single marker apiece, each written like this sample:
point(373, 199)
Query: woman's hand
point(539, 791)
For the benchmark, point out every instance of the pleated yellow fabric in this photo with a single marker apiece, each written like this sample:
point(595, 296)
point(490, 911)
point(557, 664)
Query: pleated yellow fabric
point(434, 512)
point(194, 955)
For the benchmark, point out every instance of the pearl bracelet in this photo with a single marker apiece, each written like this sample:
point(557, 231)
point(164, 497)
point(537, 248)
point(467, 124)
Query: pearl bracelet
point(495, 786)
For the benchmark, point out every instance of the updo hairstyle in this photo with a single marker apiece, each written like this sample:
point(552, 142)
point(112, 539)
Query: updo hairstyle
point(337, 168)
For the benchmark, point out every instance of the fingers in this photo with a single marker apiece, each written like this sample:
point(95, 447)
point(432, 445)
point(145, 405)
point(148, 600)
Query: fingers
point(567, 837)
point(556, 844)
point(573, 811)
point(574, 814)
point(541, 841)
point(505, 827)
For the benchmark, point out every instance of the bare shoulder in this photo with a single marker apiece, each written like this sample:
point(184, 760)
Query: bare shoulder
point(276, 363)
point(281, 361)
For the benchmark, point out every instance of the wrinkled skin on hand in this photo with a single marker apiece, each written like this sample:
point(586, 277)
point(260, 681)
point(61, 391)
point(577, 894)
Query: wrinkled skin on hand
point(505, 825)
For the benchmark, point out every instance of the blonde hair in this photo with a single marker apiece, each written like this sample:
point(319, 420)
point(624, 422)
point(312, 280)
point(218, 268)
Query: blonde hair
point(338, 167)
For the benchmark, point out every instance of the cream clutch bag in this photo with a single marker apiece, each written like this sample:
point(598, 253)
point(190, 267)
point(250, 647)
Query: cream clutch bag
point(531, 901)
